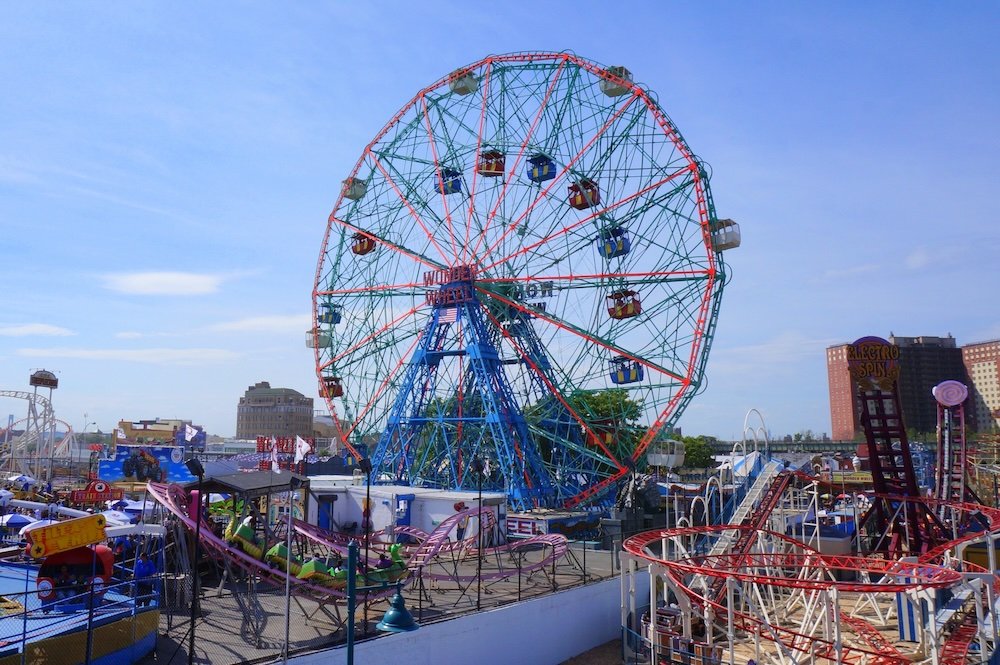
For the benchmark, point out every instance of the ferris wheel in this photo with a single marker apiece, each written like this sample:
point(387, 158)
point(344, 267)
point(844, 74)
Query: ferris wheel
point(519, 283)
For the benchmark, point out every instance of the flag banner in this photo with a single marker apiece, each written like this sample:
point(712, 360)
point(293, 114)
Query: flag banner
point(120, 434)
point(189, 433)
point(274, 456)
point(302, 449)
point(448, 315)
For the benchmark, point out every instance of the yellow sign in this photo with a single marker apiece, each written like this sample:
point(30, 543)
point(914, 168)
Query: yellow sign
point(851, 477)
point(68, 535)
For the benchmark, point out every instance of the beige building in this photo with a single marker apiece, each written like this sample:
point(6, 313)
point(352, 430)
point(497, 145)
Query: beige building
point(982, 362)
point(147, 431)
point(267, 411)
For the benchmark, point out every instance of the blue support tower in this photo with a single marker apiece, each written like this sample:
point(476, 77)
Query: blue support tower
point(556, 429)
point(455, 405)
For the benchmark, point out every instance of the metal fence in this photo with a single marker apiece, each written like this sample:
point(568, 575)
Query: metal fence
point(244, 621)
point(110, 617)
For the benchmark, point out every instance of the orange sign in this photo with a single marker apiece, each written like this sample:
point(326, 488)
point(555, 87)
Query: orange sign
point(68, 535)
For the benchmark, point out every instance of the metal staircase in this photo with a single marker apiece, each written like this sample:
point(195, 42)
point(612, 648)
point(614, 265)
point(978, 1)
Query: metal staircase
point(756, 520)
point(760, 486)
point(911, 527)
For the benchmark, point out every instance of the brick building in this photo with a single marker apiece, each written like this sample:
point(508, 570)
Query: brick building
point(924, 362)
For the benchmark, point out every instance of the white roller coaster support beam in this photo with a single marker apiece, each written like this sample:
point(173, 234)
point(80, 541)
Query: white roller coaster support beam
point(37, 430)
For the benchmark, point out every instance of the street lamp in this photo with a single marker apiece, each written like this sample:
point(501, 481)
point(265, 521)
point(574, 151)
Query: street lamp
point(74, 460)
point(477, 467)
point(194, 466)
point(293, 485)
point(397, 618)
point(365, 465)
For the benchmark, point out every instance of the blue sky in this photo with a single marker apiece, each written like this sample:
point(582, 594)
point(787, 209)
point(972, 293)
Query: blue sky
point(166, 170)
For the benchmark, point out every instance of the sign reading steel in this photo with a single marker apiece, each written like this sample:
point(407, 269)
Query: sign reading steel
point(873, 360)
point(97, 491)
point(67, 535)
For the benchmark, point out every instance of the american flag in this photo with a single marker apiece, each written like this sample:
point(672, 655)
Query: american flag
point(448, 315)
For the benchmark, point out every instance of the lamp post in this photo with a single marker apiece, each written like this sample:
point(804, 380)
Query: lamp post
point(397, 618)
point(477, 466)
point(293, 485)
point(194, 466)
point(75, 460)
point(365, 464)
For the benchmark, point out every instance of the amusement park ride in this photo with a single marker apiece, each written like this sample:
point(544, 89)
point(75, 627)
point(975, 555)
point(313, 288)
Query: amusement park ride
point(28, 446)
point(759, 581)
point(517, 292)
point(524, 268)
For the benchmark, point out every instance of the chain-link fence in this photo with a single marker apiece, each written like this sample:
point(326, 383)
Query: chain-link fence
point(71, 615)
point(242, 620)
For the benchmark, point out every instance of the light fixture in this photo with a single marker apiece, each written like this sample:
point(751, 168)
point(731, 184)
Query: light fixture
point(397, 618)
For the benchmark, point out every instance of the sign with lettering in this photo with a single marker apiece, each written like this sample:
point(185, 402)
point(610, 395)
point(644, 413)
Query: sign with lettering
point(97, 491)
point(872, 361)
point(67, 535)
point(856, 477)
point(523, 527)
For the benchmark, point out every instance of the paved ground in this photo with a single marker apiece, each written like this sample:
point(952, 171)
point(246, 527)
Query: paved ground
point(606, 654)
point(237, 628)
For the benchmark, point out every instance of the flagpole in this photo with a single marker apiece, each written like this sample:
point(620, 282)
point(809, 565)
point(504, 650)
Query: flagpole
point(300, 452)
point(288, 567)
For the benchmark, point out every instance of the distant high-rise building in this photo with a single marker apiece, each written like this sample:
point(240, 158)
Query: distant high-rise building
point(267, 411)
point(844, 414)
point(924, 362)
point(982, 362)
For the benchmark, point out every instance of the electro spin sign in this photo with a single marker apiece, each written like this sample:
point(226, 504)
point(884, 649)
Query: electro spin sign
point(873, 361)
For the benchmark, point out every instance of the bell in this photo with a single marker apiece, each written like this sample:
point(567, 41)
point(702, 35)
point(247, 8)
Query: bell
point(397, 618)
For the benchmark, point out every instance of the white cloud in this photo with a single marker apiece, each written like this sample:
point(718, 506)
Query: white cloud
point(918, 258)
point(149, 356)
point(163, 283)
point(34, 330)
point(782, 354)
point(851, 271)
point(128, 335)
point(274, 323)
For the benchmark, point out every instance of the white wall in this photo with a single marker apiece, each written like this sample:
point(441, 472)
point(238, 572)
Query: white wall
point(542, 631)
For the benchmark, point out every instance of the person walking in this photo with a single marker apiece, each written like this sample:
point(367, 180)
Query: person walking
point(145, 571)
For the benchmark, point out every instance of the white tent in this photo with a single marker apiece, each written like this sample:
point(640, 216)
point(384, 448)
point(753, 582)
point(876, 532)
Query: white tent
point(36, 525)
point(21, 481)
point(16, 520)
point(117, 517)
point(139, 506)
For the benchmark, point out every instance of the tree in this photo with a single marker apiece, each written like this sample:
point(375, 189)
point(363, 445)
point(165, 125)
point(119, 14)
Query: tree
point(698, 453)
point(603, 411)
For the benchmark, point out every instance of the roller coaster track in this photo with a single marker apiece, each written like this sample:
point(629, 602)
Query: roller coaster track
point(755, 521)
point(174, 499)
point(437, 548)
point(765, 568)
